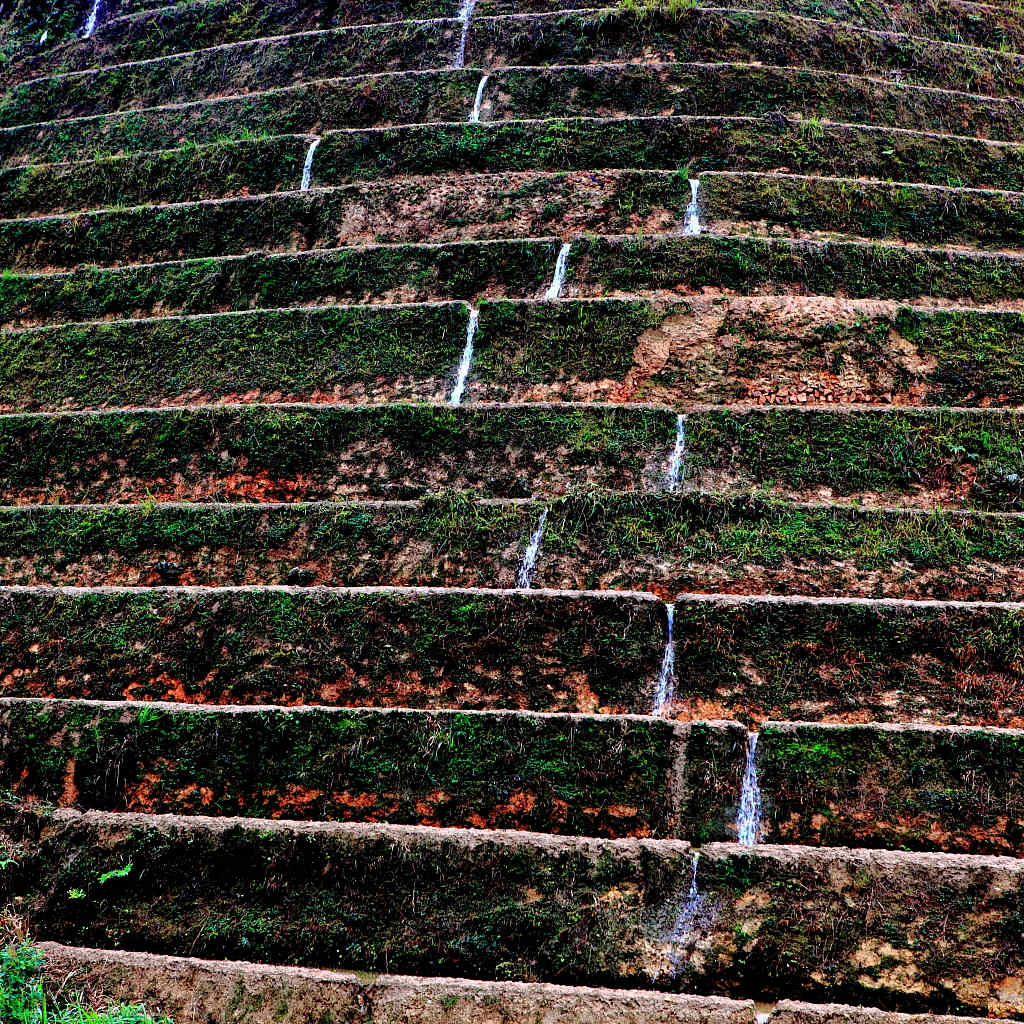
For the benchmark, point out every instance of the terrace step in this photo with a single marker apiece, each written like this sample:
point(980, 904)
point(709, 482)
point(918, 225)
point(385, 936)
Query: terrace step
point(926, 458)
point(998, 26)
point(701, 144)
point(232, 68)
point(517, 205)
point(945, 789)
point(668, 265)
point(291, 452)
point(664, 543)
point(605, 36)
point(405, 273)
point(361, 101)
point(220, 992)
point(201, 24)
point(479, 903)
point(739, 35)
point(525, 93)
point(953, 789)
point(768, 350)
point(566, 774)
point(743, 658)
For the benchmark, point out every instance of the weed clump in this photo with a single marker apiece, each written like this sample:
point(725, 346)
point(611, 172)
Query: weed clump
point(24, 1000)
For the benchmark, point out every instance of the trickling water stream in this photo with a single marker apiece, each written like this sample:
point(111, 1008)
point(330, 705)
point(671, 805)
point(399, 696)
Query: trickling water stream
point(687, 918)
point(530, 556)
point(674, 474)
point(90, 22)
point(466, 360)
point(465, 13)
point(558, 278)
point(748, 819)
point(665, 690)
point(478, 102)
point(692, 225)
point(307, 167)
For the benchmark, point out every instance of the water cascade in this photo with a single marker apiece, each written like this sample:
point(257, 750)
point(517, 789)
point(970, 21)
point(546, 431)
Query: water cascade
point(667, 677)
point(307, 167)
point(474, 117)
point(530, 556)
point(465, 13)
point(748, 819)
point(691, 225)
point(687, 918)
point(674, 473)
point(467, 359)
point(558, 279)
point(90, 22)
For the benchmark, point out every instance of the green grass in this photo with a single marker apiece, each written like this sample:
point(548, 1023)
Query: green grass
point(23, 998)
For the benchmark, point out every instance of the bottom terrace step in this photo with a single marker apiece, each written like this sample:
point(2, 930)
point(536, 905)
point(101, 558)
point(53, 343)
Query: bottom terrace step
point(226, 992)
point(912, 931)
point(196, 991)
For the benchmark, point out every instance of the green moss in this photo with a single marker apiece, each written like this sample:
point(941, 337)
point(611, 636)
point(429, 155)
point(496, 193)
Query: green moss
point(298, 352)
point(428, 649)
point(206, 285)
point(546, 774)
point(306, 452)
point(959, 791)
point(972, 459)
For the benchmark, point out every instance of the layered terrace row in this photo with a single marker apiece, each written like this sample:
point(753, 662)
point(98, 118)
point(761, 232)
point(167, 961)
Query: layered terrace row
point(514, 495)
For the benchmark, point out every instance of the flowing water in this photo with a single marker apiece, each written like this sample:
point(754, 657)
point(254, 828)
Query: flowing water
point(558, 279)
point(465, 13)
point(478, 102)
point(307, 167)
point(530, 556)
point(665, 690)
point(467, 359)
point(90, 22)
point(687, 918)
point(692, 225)
point(748, 819)
point(674, 474)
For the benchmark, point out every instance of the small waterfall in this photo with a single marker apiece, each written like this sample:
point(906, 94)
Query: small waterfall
point(692, 225)
point(307, 167)
point(90, 22)
point(687, 918)
point(474, 117)
point(530, 556)
point(467, 359)
point(558, 279)
point(748, 819)
point(665, 690)
point(674, 473)
point(465, 13)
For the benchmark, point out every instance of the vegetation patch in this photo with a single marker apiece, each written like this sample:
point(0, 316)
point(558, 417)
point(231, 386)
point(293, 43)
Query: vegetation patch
point(410, 273)
point(530, 908)
point(358, 353)
point(290, 454)
point(429, 649)
point(849, 662)
point(666, 543)
point(955, 790)
point(574, 775)
point(24, 998)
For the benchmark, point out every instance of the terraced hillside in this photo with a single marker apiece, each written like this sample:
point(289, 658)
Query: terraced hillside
point(513, 513)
